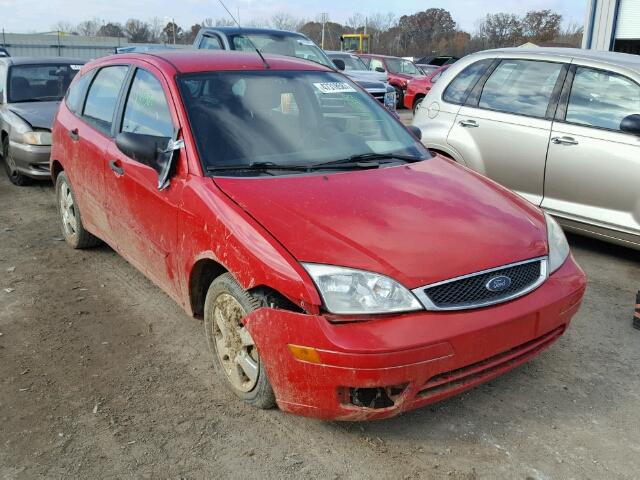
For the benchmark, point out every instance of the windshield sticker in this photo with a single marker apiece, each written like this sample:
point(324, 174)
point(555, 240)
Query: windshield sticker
point(305, 42)
point(334, 87)
point(75, 67)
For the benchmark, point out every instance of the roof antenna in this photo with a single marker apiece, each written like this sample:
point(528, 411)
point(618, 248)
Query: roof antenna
point(264, 62)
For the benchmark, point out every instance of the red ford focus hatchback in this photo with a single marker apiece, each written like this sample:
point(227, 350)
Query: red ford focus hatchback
point(341, 270)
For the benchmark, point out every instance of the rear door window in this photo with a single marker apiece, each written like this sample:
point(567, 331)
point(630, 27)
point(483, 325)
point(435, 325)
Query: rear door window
point(602, 99)
point(523, 87)
point(147, 111)
point(458, 90)
point(375, 64)
point(102, 97)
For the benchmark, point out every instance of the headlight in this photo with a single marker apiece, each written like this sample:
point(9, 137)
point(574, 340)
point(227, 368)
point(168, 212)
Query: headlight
point(390, 100)
point(558, 245)
point(350, 291)
point(34, 138)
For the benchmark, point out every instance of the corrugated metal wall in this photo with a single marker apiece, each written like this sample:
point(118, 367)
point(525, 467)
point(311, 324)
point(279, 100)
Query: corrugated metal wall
point(628, 27)
point(60, 45)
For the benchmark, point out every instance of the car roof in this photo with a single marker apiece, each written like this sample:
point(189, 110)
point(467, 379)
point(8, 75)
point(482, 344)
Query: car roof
point(342, 54)
point(623, 59)
point(42, 60)
point(251, 31)
point(192, 61)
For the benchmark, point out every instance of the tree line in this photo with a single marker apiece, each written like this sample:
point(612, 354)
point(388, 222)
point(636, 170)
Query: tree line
point(433, 31)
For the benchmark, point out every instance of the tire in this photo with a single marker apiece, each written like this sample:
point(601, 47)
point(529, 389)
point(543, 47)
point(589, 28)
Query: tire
point(417, 104)
point(15, 177)
point(70, 219)
point(232, 348)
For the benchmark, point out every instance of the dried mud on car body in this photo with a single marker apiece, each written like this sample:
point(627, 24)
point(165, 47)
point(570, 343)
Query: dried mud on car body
point(104, 376)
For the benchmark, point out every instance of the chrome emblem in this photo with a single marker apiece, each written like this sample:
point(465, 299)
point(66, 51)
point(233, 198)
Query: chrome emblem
point(498, 284)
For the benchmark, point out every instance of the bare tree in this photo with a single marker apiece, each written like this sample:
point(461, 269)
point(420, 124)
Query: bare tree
point(156, 27)
point(137, 31)
point(208, 22)
point(111, 30)
point(64, 26)
point(356, 21)
point(224, 22)
point(284, 21)
point(89, 28)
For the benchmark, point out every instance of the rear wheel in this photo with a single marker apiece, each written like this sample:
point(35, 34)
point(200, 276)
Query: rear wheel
point(14, 175)
point(234, 352)
point(70, 219)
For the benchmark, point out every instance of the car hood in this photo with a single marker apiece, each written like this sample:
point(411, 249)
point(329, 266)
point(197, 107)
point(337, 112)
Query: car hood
point(418, 223)
point(366, 76)
point(37, 114)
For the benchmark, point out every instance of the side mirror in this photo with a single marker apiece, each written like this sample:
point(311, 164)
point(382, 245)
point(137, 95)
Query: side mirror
point(631, 124)
point(415, 131)
point(339, 63)
point(380, 69)
point(141, 148)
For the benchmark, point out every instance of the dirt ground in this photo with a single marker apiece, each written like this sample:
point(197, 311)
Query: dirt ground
point(103, 376)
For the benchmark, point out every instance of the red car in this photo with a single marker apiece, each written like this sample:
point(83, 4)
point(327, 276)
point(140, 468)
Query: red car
point(341, 271)
point(418, 88)
point(399, 71)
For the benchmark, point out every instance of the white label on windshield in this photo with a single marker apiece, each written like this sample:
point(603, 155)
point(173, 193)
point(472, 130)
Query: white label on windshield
point(75, 67)
point(334, 87)
point(305, 42)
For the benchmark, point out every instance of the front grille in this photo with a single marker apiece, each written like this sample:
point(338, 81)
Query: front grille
point(471, 291)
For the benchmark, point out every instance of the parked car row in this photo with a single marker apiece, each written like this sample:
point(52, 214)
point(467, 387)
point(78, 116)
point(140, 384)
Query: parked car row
point(561, 127)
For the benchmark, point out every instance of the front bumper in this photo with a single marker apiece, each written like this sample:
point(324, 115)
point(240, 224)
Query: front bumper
point(31, 160)
point(414, 359)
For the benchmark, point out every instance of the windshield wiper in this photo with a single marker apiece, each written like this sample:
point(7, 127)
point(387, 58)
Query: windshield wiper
point(369, 157)
point(256, 166)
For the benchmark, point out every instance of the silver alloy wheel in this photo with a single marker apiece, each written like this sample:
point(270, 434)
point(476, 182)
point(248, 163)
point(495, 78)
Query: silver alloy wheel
point(11, 164)
point(234, 346)
point(67, 210)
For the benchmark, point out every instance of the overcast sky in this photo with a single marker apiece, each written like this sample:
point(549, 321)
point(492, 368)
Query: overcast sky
point(40, 15)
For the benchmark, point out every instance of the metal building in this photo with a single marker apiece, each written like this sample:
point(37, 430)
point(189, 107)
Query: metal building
point(612, 25)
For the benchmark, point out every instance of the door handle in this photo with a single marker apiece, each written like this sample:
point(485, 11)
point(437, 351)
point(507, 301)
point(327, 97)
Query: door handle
point(564, 141)
point(115, 166)
point(468, 123)
point(74, 134)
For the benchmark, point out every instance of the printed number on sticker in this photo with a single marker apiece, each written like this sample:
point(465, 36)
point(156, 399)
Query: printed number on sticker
point(334, 87)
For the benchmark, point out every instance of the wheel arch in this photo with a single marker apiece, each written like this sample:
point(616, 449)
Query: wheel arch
point(56, 168)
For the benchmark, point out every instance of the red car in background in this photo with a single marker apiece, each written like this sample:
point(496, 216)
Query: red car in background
point(341, 271)
point(418, 88)
point(399, 71)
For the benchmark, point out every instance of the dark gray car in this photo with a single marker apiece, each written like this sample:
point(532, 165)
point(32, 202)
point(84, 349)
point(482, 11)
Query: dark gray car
point(30, 92)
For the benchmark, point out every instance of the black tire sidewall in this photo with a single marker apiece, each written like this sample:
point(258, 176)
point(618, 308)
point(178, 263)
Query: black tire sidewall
point(262, 395)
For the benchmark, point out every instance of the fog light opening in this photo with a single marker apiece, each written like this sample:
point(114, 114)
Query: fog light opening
point(372, 397)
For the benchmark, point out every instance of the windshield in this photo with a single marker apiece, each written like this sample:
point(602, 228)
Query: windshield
point(288, 118)
point(288, 45)
point(352, 62)
point(33, 83)
point(399, 65)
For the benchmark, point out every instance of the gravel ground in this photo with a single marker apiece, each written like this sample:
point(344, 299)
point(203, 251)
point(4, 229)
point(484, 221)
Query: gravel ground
point(103, 376)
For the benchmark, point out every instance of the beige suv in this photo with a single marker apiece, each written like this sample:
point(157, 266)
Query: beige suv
point(561, 127)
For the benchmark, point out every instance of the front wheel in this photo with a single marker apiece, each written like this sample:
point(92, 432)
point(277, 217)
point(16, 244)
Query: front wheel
point(14, 175)
point(233, 350)
point(399, 97)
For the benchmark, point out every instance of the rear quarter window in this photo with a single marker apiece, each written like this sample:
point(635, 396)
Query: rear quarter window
point(75, 94)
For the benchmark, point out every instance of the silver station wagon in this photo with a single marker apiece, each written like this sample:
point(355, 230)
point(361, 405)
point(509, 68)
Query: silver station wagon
point(561, 127)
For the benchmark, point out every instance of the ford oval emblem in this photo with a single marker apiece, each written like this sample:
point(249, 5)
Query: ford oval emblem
point(498, 284)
